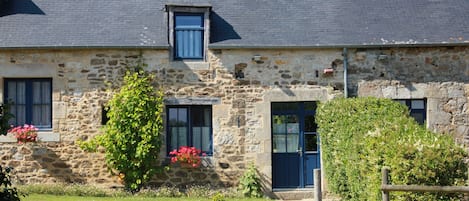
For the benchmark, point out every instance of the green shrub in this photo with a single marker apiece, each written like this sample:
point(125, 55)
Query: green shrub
point(132, 136)
point(218, 197)
point(359, 136)
point(5, 116)
point(250, 184)
point(7, 192)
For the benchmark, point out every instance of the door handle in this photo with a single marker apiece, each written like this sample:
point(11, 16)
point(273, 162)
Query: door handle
point(300, 151)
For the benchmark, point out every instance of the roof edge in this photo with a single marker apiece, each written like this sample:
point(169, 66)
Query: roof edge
point(87, 47)
point(215, 46)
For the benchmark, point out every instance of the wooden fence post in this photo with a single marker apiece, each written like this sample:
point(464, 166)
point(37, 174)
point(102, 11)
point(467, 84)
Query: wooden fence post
point(317, 184)
point(384, 182)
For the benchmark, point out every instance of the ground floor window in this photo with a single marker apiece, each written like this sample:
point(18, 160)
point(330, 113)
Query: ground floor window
point(190, 126)
point(30, 101)
point(417, 108)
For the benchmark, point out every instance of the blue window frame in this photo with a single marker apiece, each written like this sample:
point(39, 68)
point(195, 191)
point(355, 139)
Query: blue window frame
point(189, 126)
point(189, 35)
point(31, 101)
point(417, 109)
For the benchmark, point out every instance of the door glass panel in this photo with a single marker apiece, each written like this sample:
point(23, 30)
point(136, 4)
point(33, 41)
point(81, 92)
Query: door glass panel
point(311, 142)
point(311, 106)
point(286, 130)
point(292, 143)
point(310, 123)
point(279, 144)
point(278, 124)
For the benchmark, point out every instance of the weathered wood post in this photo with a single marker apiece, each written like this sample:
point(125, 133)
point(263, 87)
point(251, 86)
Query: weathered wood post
point(384, 182)
point(317, 184)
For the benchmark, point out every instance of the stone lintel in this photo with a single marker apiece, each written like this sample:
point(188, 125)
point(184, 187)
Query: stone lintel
point(192, 101)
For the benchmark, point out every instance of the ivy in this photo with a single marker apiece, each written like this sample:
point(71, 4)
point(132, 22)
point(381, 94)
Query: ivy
point(359, 136)
point(132, 136)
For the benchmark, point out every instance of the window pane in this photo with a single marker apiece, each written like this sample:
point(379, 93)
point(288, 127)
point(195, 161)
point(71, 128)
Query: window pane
point(182, 136)
point(189, 20)
point(206, 139)
point(37, 93)
point(311, 106)
point(310, 123)
point(417, 104)
point(20, 115)
point(419, 117)
point(46, 92)
point(292, 143)
point(279, 124)
point(20, 93)
point(279, 145)
point(284, 106)
point(197, 137)
point(311, 142)
point(403, 102)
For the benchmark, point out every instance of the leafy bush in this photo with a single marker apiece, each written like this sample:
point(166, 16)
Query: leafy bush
point(250, 184)
point(5, 116)
point(359, 136)
point(218, 197)
point(7, 192)
point(132, 139)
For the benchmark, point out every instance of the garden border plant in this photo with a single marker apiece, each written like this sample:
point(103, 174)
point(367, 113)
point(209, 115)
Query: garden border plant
point(132, 135)
point(361, 135)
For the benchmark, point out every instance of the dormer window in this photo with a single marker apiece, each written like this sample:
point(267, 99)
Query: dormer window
point(188, 31)
point(188, 36)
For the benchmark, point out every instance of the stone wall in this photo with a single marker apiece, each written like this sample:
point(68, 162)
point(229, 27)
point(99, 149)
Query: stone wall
point(439, 75)
point(241, 106)
point(240, 117)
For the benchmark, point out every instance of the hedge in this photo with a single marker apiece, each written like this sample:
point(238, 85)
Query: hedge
point(359, 136)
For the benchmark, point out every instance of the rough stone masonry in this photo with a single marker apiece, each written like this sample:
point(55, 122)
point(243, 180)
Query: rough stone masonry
point(240, 105)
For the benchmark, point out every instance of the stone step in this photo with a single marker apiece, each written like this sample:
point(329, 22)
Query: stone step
point(294, 194)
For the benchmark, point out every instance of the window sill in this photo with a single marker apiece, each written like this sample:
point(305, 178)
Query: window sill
point(193, 65)
point(43, 136)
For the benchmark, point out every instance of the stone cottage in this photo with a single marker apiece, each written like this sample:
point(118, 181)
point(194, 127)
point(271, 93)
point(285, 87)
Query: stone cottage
point(242, 77)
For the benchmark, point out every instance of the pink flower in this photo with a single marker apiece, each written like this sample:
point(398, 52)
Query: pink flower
point(26, 133)
point(189, 156)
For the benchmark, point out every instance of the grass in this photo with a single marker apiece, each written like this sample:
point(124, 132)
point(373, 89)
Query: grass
point(76, 192)
point(41, 197)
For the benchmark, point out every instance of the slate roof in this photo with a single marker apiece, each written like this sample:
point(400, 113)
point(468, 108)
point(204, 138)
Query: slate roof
point(236, 23)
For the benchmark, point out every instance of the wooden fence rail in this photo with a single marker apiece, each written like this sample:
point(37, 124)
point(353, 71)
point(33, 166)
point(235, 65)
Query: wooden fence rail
point(386, 187)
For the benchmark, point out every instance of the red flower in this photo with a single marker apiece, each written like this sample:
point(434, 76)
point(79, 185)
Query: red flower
point(187, 156)
point(26, 133)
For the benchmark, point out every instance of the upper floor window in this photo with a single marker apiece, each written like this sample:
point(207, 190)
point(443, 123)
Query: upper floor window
point(31, 101)
point(188, 31)
point(189, 36)
point(417, 108)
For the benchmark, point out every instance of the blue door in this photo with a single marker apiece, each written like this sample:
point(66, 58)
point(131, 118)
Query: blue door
point(295, 150)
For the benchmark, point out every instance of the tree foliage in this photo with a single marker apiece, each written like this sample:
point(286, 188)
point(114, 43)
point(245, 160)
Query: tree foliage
point(359, 136)
point(132, 135)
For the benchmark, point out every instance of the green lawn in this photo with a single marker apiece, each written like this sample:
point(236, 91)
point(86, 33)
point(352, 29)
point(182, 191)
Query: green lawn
point(38, 197)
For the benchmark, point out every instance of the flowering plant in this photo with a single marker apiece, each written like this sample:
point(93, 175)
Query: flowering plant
point(187, 156)
point(26, 133)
